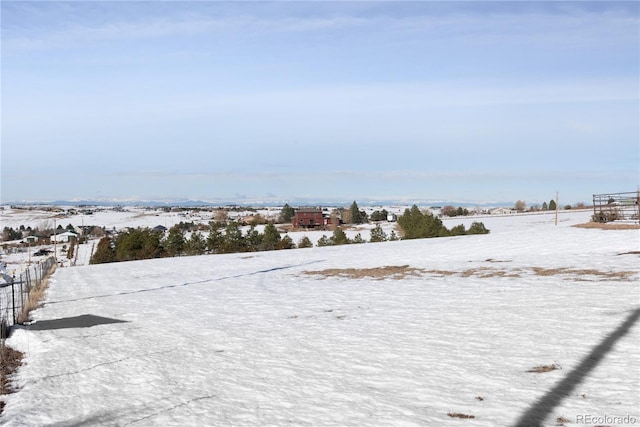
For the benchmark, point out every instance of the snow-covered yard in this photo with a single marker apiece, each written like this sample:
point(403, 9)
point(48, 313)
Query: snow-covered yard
point(328, 337)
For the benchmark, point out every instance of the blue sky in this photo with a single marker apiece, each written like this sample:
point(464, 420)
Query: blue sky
point(467, 101)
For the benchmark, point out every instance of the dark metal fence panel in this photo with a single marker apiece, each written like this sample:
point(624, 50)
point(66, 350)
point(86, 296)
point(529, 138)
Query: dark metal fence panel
point(617, 207)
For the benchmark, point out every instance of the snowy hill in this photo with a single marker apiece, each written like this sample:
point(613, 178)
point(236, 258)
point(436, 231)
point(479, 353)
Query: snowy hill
point(420, 332)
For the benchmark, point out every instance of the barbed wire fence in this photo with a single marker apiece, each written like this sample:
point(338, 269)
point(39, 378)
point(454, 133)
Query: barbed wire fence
point(15, 291)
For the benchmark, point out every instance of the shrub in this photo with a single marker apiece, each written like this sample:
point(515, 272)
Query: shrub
point(305, 242)
point(339, 237)
point(378, 234)
point(477, 228)
point(325, 241)
point(606, 216)
point(379, 215)
point(286, 243)
point(358, 239)
point(458, 230)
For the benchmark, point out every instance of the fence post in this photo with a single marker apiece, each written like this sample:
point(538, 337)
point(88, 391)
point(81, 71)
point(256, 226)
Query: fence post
point(13, 298)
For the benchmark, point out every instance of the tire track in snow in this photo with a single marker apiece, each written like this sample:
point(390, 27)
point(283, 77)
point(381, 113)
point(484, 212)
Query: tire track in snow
point(171, 408)
point(112, 362)
point(197, 282)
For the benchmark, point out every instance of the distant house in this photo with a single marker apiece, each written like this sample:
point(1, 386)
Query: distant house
point(159, 229)
point(309, 218)
point(66, 237)
point(502, 211)
point(31, 239)
point(391, 217)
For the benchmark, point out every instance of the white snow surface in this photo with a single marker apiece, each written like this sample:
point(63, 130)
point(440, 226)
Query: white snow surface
point(253, 340)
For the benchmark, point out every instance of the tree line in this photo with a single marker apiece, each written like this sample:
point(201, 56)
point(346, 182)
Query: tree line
point(145, 243)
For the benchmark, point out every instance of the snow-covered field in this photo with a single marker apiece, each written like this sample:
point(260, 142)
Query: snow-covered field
point(304, 337)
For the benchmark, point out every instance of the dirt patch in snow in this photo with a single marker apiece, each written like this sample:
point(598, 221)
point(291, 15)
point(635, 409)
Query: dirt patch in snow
point(378, 273)
point(459, 415)
point(608, 226)
point(404, 271)
point(10, 360)
point(585, 273)
point(543, 368)
point(487, 272)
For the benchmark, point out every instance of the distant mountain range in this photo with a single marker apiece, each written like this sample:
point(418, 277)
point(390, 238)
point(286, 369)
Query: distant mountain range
point(259, 202)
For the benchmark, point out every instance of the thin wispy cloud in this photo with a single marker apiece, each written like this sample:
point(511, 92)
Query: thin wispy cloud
point(568, 26)
point(205, 98)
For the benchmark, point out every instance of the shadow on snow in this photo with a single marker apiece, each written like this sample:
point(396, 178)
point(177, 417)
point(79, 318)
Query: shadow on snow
point(541, 409)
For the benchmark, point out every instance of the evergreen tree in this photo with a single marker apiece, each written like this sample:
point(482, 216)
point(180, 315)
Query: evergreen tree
point(417, 225)
point(136, 244)
point(356, 215)
point(196, 245)
point(286, 214)
point(462, 211)
point(544, 206)
point(286, 243)
point(305, 242)
point(271, 238)
point(10, 234)
point(358, 239)
point(552, 205)
point(378, 234)
point(104, 252)
point(379, 215)
point(478, 228)
point(215, 240)
point(325, 241)
point(174, 243)
point(234, 241)
point(458, 230)
point(339, 237)
point(253, 239)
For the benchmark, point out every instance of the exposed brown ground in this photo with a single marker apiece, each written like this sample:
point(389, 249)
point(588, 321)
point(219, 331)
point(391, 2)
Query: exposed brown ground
point(544, 368)
point(486, 272)
point(403, 271)
point(604, 275)
point(458, 415)
point(378, 273)
point(608, 226)
point(10, 360)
